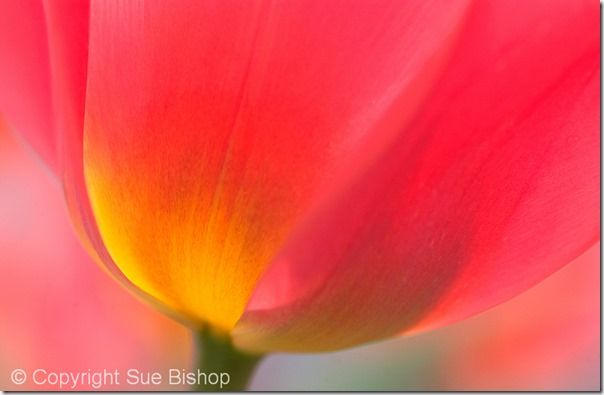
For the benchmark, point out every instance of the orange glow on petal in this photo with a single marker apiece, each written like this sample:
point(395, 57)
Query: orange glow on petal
point(200, 163)
point(197, 267)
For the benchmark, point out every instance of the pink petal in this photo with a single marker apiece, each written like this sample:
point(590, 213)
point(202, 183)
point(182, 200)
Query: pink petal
point(43, 62)
point(212, 126)
point(493, 187)
point(25, 92)
point(43, 47)
point(67, 22)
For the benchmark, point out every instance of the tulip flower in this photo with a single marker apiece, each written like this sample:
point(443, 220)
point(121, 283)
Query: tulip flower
point(308, 176)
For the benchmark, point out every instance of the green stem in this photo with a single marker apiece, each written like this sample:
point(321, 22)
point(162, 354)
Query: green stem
point(217, 354)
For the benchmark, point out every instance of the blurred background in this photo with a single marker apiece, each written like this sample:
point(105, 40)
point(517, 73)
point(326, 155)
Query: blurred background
point(61, 312)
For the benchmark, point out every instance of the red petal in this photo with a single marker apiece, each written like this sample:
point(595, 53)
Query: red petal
point(68, 36)
point(492, 188)
point(211, 126)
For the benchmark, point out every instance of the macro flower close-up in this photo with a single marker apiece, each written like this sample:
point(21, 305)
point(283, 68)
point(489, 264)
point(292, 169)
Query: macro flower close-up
point(300, 176)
